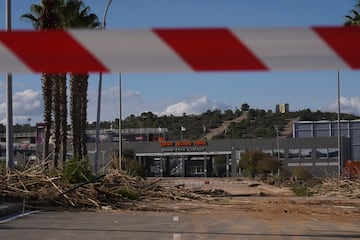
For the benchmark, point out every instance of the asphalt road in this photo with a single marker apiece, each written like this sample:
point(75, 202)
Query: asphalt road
point(203, 224)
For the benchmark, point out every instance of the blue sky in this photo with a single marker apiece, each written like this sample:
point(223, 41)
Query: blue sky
point(192, 93)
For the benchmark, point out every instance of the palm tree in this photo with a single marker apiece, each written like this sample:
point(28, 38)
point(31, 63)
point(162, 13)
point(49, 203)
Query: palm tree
point(354, 19)
point(45, 17)
point(55, 14)
point(76, 15)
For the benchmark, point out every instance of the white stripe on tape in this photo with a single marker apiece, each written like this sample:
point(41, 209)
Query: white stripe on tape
point(10, 62)
point(290, 48)
point(132, 50)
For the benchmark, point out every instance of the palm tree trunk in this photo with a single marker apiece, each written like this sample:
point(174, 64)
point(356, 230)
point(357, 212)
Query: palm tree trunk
point(78, 112)
point(48, 20)
point(83, 119)
point(56, 109)
point(47, 82)
point(74, 115)
point(63, 117)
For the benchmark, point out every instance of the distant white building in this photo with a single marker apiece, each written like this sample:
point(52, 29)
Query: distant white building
point(282, 108)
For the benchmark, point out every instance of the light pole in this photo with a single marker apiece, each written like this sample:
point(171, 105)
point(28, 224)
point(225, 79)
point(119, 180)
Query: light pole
point(29, 128)
point(277, 143)
point(278, 146)
point(9, 109)
point(96, 157)
point(339, 126)
point(120, 116)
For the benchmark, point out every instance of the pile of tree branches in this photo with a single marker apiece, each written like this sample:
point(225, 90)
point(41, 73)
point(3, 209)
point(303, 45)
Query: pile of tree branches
point(334, 187)
point(115, 189)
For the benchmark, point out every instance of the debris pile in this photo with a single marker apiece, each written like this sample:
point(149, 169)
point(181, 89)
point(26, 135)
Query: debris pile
point(338, 188)
point(114, 189)
point(117, 190)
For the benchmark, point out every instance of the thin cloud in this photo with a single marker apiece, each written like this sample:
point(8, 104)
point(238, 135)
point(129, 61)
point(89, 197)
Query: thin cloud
point(26, 104)
point(131, 103)
point(193, 105)
point(347, 105)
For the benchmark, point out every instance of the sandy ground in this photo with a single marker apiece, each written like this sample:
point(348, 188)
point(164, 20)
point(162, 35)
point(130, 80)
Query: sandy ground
point(264, 200)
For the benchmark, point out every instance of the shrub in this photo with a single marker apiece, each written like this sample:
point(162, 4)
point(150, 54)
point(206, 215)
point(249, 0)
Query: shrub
point(302, 173)
point(219, 166)
point(129, 193)
point(256, 162)
point(285, 173)
point(2, 167)
point(301, 190)
point(134, 168)
point(76, 171)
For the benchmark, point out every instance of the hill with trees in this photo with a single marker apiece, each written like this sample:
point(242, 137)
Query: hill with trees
point(215, 124)
point(253, 123)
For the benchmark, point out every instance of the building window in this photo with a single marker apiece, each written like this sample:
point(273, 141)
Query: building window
point(333, 152)
point(293, 164)
point(294, 153)
point(321, 153)
point(281, 153)
point(305, 153)
point(197, 169)
point(268, 152)
point(322, 133)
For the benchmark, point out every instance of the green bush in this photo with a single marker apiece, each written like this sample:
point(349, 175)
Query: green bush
point(219, 166)
point(2, 166)
point(129, 193)
point(76, 171)
point(302, 173)
point(301, 190)
point(256, 162)
point(134, 168)
point(285, 173)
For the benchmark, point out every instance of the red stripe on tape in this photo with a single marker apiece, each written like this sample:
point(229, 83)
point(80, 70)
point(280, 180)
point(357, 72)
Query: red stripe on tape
point(344, 41)
point(51, 52)
point(214, 49)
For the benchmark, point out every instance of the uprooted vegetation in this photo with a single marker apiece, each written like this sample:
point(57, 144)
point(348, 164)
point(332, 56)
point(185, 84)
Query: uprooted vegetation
point(41, 188)
point(319, 187)
point(338, 188)
point(116, 189)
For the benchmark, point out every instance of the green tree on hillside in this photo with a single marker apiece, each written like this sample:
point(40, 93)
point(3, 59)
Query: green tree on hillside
point(354, 18)
point(245, 107)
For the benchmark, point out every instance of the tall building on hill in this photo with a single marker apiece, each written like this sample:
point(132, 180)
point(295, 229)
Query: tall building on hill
point(282, 108)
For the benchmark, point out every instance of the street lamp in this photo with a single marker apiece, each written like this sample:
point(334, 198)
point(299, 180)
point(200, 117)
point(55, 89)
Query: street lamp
point(9, 108)
point(278, 146)
point(339, 125)
point(120, 116)
point(96, 157)
point(277, 142)
point(29, 128)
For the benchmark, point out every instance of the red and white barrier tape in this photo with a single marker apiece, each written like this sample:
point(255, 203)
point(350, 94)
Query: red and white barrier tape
point(181, 50)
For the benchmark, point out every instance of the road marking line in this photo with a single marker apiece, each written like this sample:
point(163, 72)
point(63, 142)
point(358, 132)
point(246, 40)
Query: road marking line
point(13, 217)
point(176, 236)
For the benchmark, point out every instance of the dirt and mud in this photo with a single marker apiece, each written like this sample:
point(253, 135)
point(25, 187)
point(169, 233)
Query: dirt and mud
point(332, 201)
point(261, 200)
